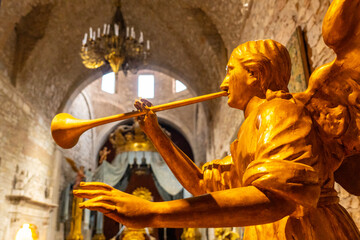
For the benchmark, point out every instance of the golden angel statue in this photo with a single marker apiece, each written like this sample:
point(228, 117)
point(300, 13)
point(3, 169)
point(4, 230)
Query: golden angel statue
point(279, 179)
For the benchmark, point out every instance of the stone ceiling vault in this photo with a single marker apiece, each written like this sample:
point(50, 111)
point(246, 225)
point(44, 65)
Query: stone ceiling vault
point(191, 39)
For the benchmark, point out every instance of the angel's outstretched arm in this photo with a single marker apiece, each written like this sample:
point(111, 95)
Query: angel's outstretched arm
point(244, 205)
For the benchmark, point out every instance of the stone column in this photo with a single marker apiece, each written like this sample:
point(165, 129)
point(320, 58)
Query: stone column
point(54, 193)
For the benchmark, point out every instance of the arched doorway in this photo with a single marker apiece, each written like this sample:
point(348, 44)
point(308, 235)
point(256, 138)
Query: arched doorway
point(128, 162)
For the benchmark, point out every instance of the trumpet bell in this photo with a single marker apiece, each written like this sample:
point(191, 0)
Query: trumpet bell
point(62, 134)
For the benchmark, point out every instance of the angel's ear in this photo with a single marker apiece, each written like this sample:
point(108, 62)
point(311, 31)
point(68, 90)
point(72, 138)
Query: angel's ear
point(259, 68)
point(258, 73)
point(254, 75)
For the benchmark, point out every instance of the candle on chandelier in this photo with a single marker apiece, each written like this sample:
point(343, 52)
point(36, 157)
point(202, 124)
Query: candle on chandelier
point(108, 30)
point(104, 30)
point(116, 29)
point(90, 33)
point(148, 44)
point(141, 38)
point(127, 32)
point(85, 39)
point(98, 33)
point(132, 33)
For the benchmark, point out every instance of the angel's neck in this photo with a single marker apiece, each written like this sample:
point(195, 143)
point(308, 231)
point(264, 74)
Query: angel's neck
point(253, 104)
point(350, 59)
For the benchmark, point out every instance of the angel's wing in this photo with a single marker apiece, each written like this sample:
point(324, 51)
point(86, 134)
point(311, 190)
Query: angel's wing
point(333, 94)
point(72, 164)
point(341, 28)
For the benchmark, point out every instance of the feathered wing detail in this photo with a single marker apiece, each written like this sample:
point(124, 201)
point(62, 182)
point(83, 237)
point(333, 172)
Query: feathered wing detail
point(333, 95)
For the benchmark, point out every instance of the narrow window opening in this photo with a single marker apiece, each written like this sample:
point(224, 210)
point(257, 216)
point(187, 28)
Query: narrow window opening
point(179, 86)
point(108, 83)
point(146, 86)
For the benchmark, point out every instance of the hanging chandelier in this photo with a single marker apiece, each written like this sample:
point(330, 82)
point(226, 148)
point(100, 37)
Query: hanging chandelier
point(115, 45)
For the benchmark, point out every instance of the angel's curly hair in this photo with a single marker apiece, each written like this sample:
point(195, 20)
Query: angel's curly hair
point(268, 60)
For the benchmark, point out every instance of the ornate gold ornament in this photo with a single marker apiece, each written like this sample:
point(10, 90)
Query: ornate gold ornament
point(116, 45)
point(134, 234)
point(226, 234)
point(130, 139)
point(191, 234)
point(143, 192)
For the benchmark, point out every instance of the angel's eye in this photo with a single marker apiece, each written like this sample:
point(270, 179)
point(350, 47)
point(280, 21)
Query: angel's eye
point(251, 73)
point(228, 68)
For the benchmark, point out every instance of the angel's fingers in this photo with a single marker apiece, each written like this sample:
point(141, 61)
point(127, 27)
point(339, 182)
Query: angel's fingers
point(142, 104)
point(102, 199)
point(84, 193)
point(95, 186)
point(208, 180)
point(145, 103)
point(137, 105)
point(98, 206)
point(144, 100)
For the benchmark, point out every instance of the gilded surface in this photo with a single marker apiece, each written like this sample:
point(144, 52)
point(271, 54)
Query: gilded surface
point(130, 139)
point(226, 234)
point(76, 219)
point(99, 236)
point(190, 234)
point(134, 234)
point(279, 178)
point(143, 192)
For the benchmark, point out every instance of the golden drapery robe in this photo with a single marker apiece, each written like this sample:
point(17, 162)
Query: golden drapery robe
point(278, 150)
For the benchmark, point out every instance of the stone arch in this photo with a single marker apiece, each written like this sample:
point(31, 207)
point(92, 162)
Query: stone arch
point(105, 133)
point(100, 136)
point(84, 81)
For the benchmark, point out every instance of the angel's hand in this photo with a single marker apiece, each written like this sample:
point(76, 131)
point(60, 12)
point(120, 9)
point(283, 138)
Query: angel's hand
point(220, 174)
point(128, 209)
point(149, 121)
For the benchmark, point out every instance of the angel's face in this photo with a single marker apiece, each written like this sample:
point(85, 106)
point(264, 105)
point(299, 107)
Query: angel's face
point(238, 83)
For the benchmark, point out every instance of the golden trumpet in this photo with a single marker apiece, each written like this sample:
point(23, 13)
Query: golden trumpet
point(66, 130)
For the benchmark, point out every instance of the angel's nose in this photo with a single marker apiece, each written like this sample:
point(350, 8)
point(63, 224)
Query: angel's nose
point(225, 84)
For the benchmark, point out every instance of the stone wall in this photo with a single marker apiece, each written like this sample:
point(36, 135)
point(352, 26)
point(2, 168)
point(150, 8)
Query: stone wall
point(350, 202)
point(28, 167)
